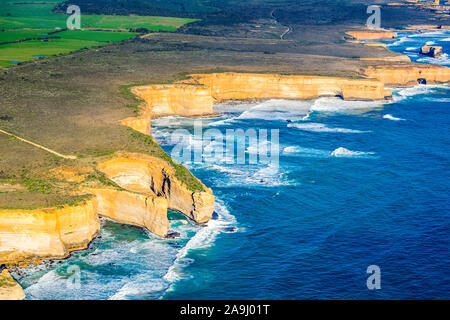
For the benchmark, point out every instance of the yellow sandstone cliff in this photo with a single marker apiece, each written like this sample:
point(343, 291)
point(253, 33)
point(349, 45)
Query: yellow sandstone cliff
point(47, 233)
point(154, 176)
point(142, 210)
point(196, 96)
point(372, 34)
point(9, 288)
point(406, 75)
point(240, 86)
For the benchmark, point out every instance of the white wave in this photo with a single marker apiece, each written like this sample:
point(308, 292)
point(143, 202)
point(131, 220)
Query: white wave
point(346, 153)
point(430, 43)
point(263, 147)
point(416, 90)
point(221, 122)
point(391, 117)
point(204, 238)
point(266, 173)
point(278, 109)
point(432, 34)
point(320, 127)
point(398, 42)
point(446, 100)
point(328, 104)
point(412, 49)
point(306, 152)
point(141, 287)
point(292, 149)
point(442, 60)
point(446, 39)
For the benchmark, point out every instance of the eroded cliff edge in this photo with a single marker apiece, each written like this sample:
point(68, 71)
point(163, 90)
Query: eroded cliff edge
point(145, 187)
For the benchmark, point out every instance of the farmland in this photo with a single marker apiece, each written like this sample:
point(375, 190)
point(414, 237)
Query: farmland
point(35, 29)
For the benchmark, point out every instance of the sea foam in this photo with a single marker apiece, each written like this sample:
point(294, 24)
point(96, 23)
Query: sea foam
point(346, 153)
point(320, 127)
point(391, 117)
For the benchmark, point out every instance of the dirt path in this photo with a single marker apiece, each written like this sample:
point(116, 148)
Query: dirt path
point(39, 146)
point(276, 21)
point(285, 33)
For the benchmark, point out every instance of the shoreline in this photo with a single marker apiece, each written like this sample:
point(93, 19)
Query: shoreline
point(207, 115)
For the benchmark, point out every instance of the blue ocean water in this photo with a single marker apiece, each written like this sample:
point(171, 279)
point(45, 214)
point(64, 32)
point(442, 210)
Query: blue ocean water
point(358, 184)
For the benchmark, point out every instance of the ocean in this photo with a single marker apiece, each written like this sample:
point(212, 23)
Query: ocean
point(356, 184)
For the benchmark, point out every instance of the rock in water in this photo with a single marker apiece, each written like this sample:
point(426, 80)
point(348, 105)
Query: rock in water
point(431, 51)
point(173, 234)
point(229, 229)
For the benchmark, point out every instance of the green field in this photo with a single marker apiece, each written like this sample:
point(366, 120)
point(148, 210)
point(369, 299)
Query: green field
point(35, 19)
point(39, 15)
point(69, 41)
point(14, 35)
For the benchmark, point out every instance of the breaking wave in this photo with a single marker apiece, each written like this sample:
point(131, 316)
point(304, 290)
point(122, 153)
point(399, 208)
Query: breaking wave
point(391, 117)
point(320, 127)
point(346, 153)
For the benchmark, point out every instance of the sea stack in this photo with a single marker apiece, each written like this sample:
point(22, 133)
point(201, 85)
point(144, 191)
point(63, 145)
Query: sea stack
point(431, 51)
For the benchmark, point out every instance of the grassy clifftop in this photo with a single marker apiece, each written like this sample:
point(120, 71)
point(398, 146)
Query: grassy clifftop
point(73, 103)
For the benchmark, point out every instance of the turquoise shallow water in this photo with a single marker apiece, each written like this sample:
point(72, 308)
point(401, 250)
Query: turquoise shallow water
point(358, 183)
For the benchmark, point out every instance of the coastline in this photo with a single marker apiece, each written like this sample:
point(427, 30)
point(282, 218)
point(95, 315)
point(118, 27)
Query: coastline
point(334, 91)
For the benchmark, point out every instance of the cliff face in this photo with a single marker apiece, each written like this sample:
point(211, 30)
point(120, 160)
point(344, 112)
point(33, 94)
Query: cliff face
point(176, 99)
point(146, 211)
point(46, 233)
point(372, 34)
point(409, 75)
point(154, 176)
point(9, 288)
point(226, 86)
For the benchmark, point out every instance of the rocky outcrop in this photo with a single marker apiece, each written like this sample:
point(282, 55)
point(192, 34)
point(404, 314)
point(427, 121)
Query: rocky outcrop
point(139, 209)
point(154, 176)
point(241, 86)
point(9, 288)
point(372, 34)
point(47, 233)
point(431, 51)
point(406, 75)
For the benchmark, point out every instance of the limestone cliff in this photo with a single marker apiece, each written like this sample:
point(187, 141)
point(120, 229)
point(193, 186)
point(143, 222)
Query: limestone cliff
point(176, 99)
point(154, 176)
point(372, 34)
point(406, 75)
point(46, 233)
point(9, 288)
point(142, 210)
point(167, 100)
point(229, 85)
